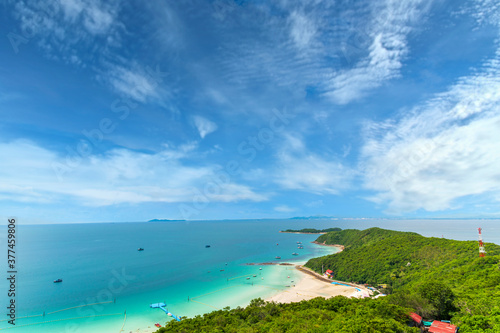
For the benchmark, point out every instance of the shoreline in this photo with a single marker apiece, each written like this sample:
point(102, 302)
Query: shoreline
point(302, 233)
point(341, 247)
point(312, 285)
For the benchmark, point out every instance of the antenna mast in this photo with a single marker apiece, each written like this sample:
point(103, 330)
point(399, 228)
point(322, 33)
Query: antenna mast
point(481, 245)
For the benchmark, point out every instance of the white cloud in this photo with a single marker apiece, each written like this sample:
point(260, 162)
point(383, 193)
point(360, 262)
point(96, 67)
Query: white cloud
point(35, 174)
point(204, 126)
point(63, 26)
point(302, 170)
point(97, 19)
point(302, 29)
point(486, 11)
point(284, 209)
point(134, 82)
point(392, 21)
point(72, 8)
point(441, 151)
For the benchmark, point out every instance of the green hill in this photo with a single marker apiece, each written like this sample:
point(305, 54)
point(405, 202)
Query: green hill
point(417, 269)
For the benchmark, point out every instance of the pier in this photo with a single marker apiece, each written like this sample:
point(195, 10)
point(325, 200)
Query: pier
point(162, 306)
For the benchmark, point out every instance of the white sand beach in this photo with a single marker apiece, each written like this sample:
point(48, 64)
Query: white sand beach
point(314, 285)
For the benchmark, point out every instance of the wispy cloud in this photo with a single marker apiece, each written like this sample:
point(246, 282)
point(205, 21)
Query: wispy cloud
point(64, 27)
point(302, 170)
point(284, 209)
point(391, 22)
point(441, 151)
point(307, 46)
point(204, 126)
point(302, 29)
point(117, 177)
point(134, 82)
point(89, 34)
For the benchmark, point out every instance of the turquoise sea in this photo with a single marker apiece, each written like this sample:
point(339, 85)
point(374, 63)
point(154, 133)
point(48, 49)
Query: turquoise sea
point(108, 285)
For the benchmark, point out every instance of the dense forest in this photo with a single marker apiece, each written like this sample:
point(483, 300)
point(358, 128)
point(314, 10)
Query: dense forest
point(437, 278)
point(312, 231)
point(338, 314)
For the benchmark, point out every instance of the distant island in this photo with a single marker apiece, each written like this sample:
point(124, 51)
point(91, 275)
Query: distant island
point(310, 231)
point(165, 220)
point(316, 217)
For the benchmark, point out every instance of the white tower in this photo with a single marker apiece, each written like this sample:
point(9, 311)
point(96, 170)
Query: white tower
point(481, 245)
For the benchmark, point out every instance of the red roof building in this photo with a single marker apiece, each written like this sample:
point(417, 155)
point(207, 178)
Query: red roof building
point(440, 327)
point(416, 318)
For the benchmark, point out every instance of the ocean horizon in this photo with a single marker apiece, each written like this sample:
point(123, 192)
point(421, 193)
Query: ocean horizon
point(108, 285)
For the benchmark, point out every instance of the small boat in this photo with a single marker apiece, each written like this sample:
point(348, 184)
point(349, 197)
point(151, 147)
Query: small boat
point(299, 242)
point(140, 249)
point(207, 246)
point(248, 278)
point(58, 280)
point(157, 325)
point(277, 257)
point(260, 268)
point(222, 270)
point(295, 254)
point(254, 275)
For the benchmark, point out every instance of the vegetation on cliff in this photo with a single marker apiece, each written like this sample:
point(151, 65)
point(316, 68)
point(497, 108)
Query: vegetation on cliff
point(338, 314)
point(437, 278)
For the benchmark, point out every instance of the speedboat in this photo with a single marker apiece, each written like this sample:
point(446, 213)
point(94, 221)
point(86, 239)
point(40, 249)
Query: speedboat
point(277, 257)
point(58, 280)
point(207, 246)
point(295, 254)
point(140, 249)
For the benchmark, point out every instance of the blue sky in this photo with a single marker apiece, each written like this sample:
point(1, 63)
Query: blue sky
point(127, 111)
